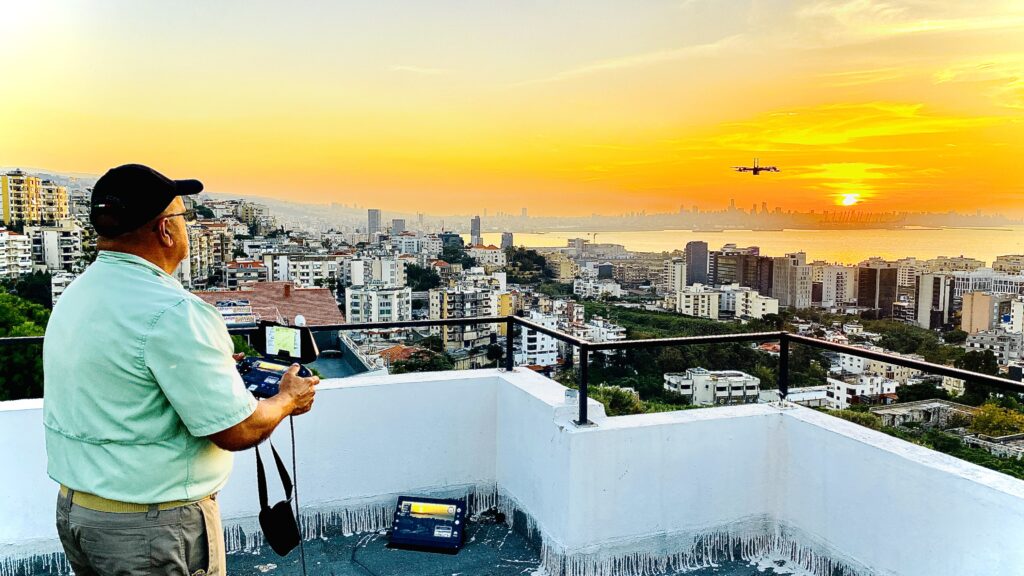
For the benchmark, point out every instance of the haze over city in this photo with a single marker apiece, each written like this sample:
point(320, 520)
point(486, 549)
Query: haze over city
point(448, 107)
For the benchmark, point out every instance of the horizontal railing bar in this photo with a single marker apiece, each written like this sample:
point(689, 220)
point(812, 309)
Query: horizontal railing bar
point(397, 324)
point(529, 324)
point(686, 340)
point(17, 340)
point(1002, 383)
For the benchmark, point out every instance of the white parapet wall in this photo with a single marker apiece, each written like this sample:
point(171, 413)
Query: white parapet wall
point(628, 495)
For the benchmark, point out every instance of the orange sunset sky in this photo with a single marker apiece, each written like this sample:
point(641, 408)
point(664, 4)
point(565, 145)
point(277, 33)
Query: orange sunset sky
point(564, 107)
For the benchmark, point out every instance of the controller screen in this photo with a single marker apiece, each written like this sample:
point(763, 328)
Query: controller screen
point(284, 341)
point(263, 365)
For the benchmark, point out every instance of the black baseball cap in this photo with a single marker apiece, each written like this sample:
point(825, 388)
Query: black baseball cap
point(128, 196)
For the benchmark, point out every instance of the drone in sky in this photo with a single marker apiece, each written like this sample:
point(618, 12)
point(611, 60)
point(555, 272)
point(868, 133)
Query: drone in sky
point(756, 168)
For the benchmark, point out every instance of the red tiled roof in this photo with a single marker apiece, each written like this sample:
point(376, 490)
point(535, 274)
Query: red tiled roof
point(237, 264)
point(269, 301)
point(399, 352)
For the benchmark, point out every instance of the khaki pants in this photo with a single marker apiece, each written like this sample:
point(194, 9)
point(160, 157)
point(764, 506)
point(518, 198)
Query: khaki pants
point(183, 541)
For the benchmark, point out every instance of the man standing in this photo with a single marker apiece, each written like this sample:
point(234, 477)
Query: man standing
point(142, 401)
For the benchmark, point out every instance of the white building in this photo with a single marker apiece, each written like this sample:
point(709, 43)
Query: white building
point(987, 280)
point(673, 275)
point(59, 281)
point(15, 254)
point(244, 272)
point(698, 300)
point(745, 302)
point(1006, 346)
point(383, 270)
point(864, 389)
point(838, 284)
point(595, 288)
point(489, 256)
point(791, 280)
point(303, 269)
point(58, 247)
point(378, 303)
point(536, 349)
point(702, 386)
point(1016, 316)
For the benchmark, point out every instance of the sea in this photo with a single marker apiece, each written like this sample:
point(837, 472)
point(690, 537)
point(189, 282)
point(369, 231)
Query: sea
point(842, 246)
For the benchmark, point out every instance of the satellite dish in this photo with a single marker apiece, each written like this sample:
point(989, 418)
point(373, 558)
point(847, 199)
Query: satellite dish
point(300, 320)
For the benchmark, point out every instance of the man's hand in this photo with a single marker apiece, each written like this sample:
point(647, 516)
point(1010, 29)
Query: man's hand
point(238, 357)
point(299, 391)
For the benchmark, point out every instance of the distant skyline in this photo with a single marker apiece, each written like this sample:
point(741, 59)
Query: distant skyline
point(566, 108)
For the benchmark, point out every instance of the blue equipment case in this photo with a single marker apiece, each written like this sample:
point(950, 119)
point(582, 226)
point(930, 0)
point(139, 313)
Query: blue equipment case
point(429, 524)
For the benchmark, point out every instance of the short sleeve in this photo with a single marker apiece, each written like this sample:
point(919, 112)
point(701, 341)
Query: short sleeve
point(188, 350)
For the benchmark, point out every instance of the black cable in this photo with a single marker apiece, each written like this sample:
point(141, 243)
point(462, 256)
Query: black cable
point(295, 487)
point(353, 560)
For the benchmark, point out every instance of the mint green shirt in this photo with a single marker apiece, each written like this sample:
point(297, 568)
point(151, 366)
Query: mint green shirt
point(137, 372)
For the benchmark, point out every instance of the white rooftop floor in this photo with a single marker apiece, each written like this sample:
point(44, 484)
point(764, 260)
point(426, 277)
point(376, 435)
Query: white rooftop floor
point(631, 493)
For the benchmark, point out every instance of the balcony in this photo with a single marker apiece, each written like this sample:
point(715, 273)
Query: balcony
point(770, 485)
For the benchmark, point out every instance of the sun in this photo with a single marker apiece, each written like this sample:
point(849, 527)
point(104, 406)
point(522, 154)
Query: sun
point(848, 199)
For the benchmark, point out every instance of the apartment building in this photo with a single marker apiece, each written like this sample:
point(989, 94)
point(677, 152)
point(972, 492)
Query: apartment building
point(244, 272)
point(57, 247)
point(376, 302)
point(714, 387)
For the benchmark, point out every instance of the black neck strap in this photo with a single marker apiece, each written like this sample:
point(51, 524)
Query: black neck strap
point(261, 477)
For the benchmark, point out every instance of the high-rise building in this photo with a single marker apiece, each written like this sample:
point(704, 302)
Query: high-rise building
point(934, 299)
point(696, 254)
point(506, 240)
point(791, 280)
point(397, 226)
point(673, 275)
point(20, 197)
point(984, 311)
point(878, 287)
point(373, 223)
point(474, 231)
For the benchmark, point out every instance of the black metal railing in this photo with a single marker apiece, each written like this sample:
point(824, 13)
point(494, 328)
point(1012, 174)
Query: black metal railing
point(586, 347)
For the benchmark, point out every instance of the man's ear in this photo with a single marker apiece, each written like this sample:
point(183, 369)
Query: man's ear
point(164, 233)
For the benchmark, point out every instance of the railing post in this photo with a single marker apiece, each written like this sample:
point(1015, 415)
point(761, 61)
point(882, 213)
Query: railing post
point(783, 366)
point(584, 379)
point(510, 348)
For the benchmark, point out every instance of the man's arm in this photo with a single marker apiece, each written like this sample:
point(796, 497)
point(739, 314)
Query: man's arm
point(295, 397)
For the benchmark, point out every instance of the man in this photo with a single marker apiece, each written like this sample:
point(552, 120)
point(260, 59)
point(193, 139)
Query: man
point(141, 398)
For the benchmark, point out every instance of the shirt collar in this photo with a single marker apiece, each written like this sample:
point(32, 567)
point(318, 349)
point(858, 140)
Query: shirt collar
point(114, 257)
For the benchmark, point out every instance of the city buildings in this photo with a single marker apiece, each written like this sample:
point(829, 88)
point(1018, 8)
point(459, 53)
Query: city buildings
point(535, 348)
point(714, 387)
point(1009, 264)
point(239, 273)
point(596, 288)
point(463, 302)
point(476, 238)
point(57, 247)
point(489, 256)
point(878, 287)
point(698, 300)
point(696, 257)
point(792, 280)
point(984, 311)
point(933, 296)
point(377, 303)
point(860, 389)
point(27, 199)
point(15, 254)
point(372, 224)
point(1006, 346)
point(506, 241)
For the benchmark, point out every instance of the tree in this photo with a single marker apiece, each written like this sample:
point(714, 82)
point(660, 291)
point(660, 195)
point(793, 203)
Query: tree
point(992, 420)
point(495, 352)
point(421, 279)
point(457, 255)
point(957, 336)
point(423, 361)
point(204, 212)
point(982, 362)
point(34, 287)
point(22, 375)
point(921, 391)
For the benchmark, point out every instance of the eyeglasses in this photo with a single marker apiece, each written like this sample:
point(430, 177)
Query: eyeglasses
point(189, 215)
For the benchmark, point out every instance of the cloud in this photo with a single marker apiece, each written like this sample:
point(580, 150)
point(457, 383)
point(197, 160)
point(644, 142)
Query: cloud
point(639, 60)
point(835, 125)
point(1004, 73)
point(420, 70)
